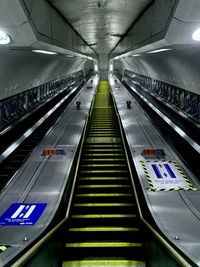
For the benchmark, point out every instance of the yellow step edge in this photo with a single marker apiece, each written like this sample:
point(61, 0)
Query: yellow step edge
point(104, 195)
point(103, 155)
point(3, 248)
point(104, 216)
point(104, 186)
point(102, 244)
point(96, 150)
point(104, 165)
point(104, 171)
point(104, 205)
point(104, 229)
point(104, 263)
point(103, 178)
point(102, 159)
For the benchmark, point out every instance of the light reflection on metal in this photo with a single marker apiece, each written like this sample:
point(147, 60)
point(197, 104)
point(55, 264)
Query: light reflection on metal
point(159, 50)
point(196, 35)
point(4, 38)
point(44, 52)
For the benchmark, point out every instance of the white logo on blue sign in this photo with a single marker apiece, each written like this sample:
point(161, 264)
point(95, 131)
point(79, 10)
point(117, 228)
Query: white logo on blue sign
point(163, 171)
point(22, 214)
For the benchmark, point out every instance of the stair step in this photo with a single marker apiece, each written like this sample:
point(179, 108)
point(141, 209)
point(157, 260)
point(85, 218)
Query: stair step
point(104, 186)
point(104, 244)
point(104, 178)
point(104, 195)
point(102, 216)
point(104, 205)
point(103, 263)
point(104, 229)
point(106, 172)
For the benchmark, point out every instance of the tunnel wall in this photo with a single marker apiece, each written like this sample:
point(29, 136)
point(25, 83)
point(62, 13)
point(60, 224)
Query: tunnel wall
point(23, 69)
point(177, 67)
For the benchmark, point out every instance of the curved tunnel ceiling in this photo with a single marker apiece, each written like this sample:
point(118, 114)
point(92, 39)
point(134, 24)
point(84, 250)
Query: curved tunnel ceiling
point(101, 23)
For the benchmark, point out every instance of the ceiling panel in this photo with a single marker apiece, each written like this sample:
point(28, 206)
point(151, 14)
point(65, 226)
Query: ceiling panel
point(101, 23)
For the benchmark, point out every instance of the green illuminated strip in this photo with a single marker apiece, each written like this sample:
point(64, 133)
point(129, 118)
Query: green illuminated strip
point(3, 248)
point(102, 159)
point(103, 229)
point(104, 186)
point(103, 244)
point(104, 195)
point(103, 178)
point(104, 171)
point(103, 150)
point(104, 263)
point(94, 216)
point(104, 165)
point(103, 155)
point(104, 205)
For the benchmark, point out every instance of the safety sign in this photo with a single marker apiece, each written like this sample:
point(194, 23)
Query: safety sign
point(22, 214)
point(165, 175)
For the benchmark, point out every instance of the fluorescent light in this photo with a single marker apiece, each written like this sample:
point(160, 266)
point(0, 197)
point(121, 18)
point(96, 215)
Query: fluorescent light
point(111, 67)
point(136, 55)
point(95, 67)
point(159, 50)
point(44, 52)
point(196, 35)
point(69, 56)
point(4, 38)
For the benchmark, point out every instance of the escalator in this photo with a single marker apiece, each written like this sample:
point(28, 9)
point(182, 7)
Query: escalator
point(103, 227)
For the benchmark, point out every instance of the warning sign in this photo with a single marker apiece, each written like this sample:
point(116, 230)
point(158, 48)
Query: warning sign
point(165, 175)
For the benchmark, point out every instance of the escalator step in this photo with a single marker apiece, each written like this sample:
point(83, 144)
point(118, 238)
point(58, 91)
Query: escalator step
point(104, 205)
point(103, 229)
point(104, 195)
point(104, 186)
point(103, 245)
point(101, 216)
point(103, 263)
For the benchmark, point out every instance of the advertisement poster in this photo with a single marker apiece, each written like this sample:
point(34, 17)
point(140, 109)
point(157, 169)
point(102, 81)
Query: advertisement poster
point(187, 102)
point(20, 104)
point(182, 100)
point(169, 94)
point(13, 106)
point(177, 97)
point(25, 101)
point(194, 105)
point(6, 111)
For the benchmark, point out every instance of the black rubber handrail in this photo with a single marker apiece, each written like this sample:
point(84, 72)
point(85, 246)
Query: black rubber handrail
point(189, 155)
point(19, 127)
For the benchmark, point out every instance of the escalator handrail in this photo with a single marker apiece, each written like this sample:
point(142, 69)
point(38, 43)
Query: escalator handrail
point(13, 146)
point(163, 241)
point(33, 250)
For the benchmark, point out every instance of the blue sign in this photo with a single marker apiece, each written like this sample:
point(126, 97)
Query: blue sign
point(163, 171)
point(22, 214)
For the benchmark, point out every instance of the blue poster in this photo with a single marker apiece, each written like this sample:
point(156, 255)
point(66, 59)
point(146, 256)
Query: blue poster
point(22, 214)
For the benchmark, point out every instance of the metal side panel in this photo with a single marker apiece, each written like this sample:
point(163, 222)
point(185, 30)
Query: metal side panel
point(176, 212)
point(42, 179)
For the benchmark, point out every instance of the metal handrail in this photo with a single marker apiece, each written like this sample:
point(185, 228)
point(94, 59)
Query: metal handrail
point(31, 252)
point(179, 259)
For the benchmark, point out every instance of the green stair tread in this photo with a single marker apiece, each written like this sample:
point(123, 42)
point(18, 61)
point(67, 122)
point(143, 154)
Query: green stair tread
point(103, 203)
point(104, 263)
